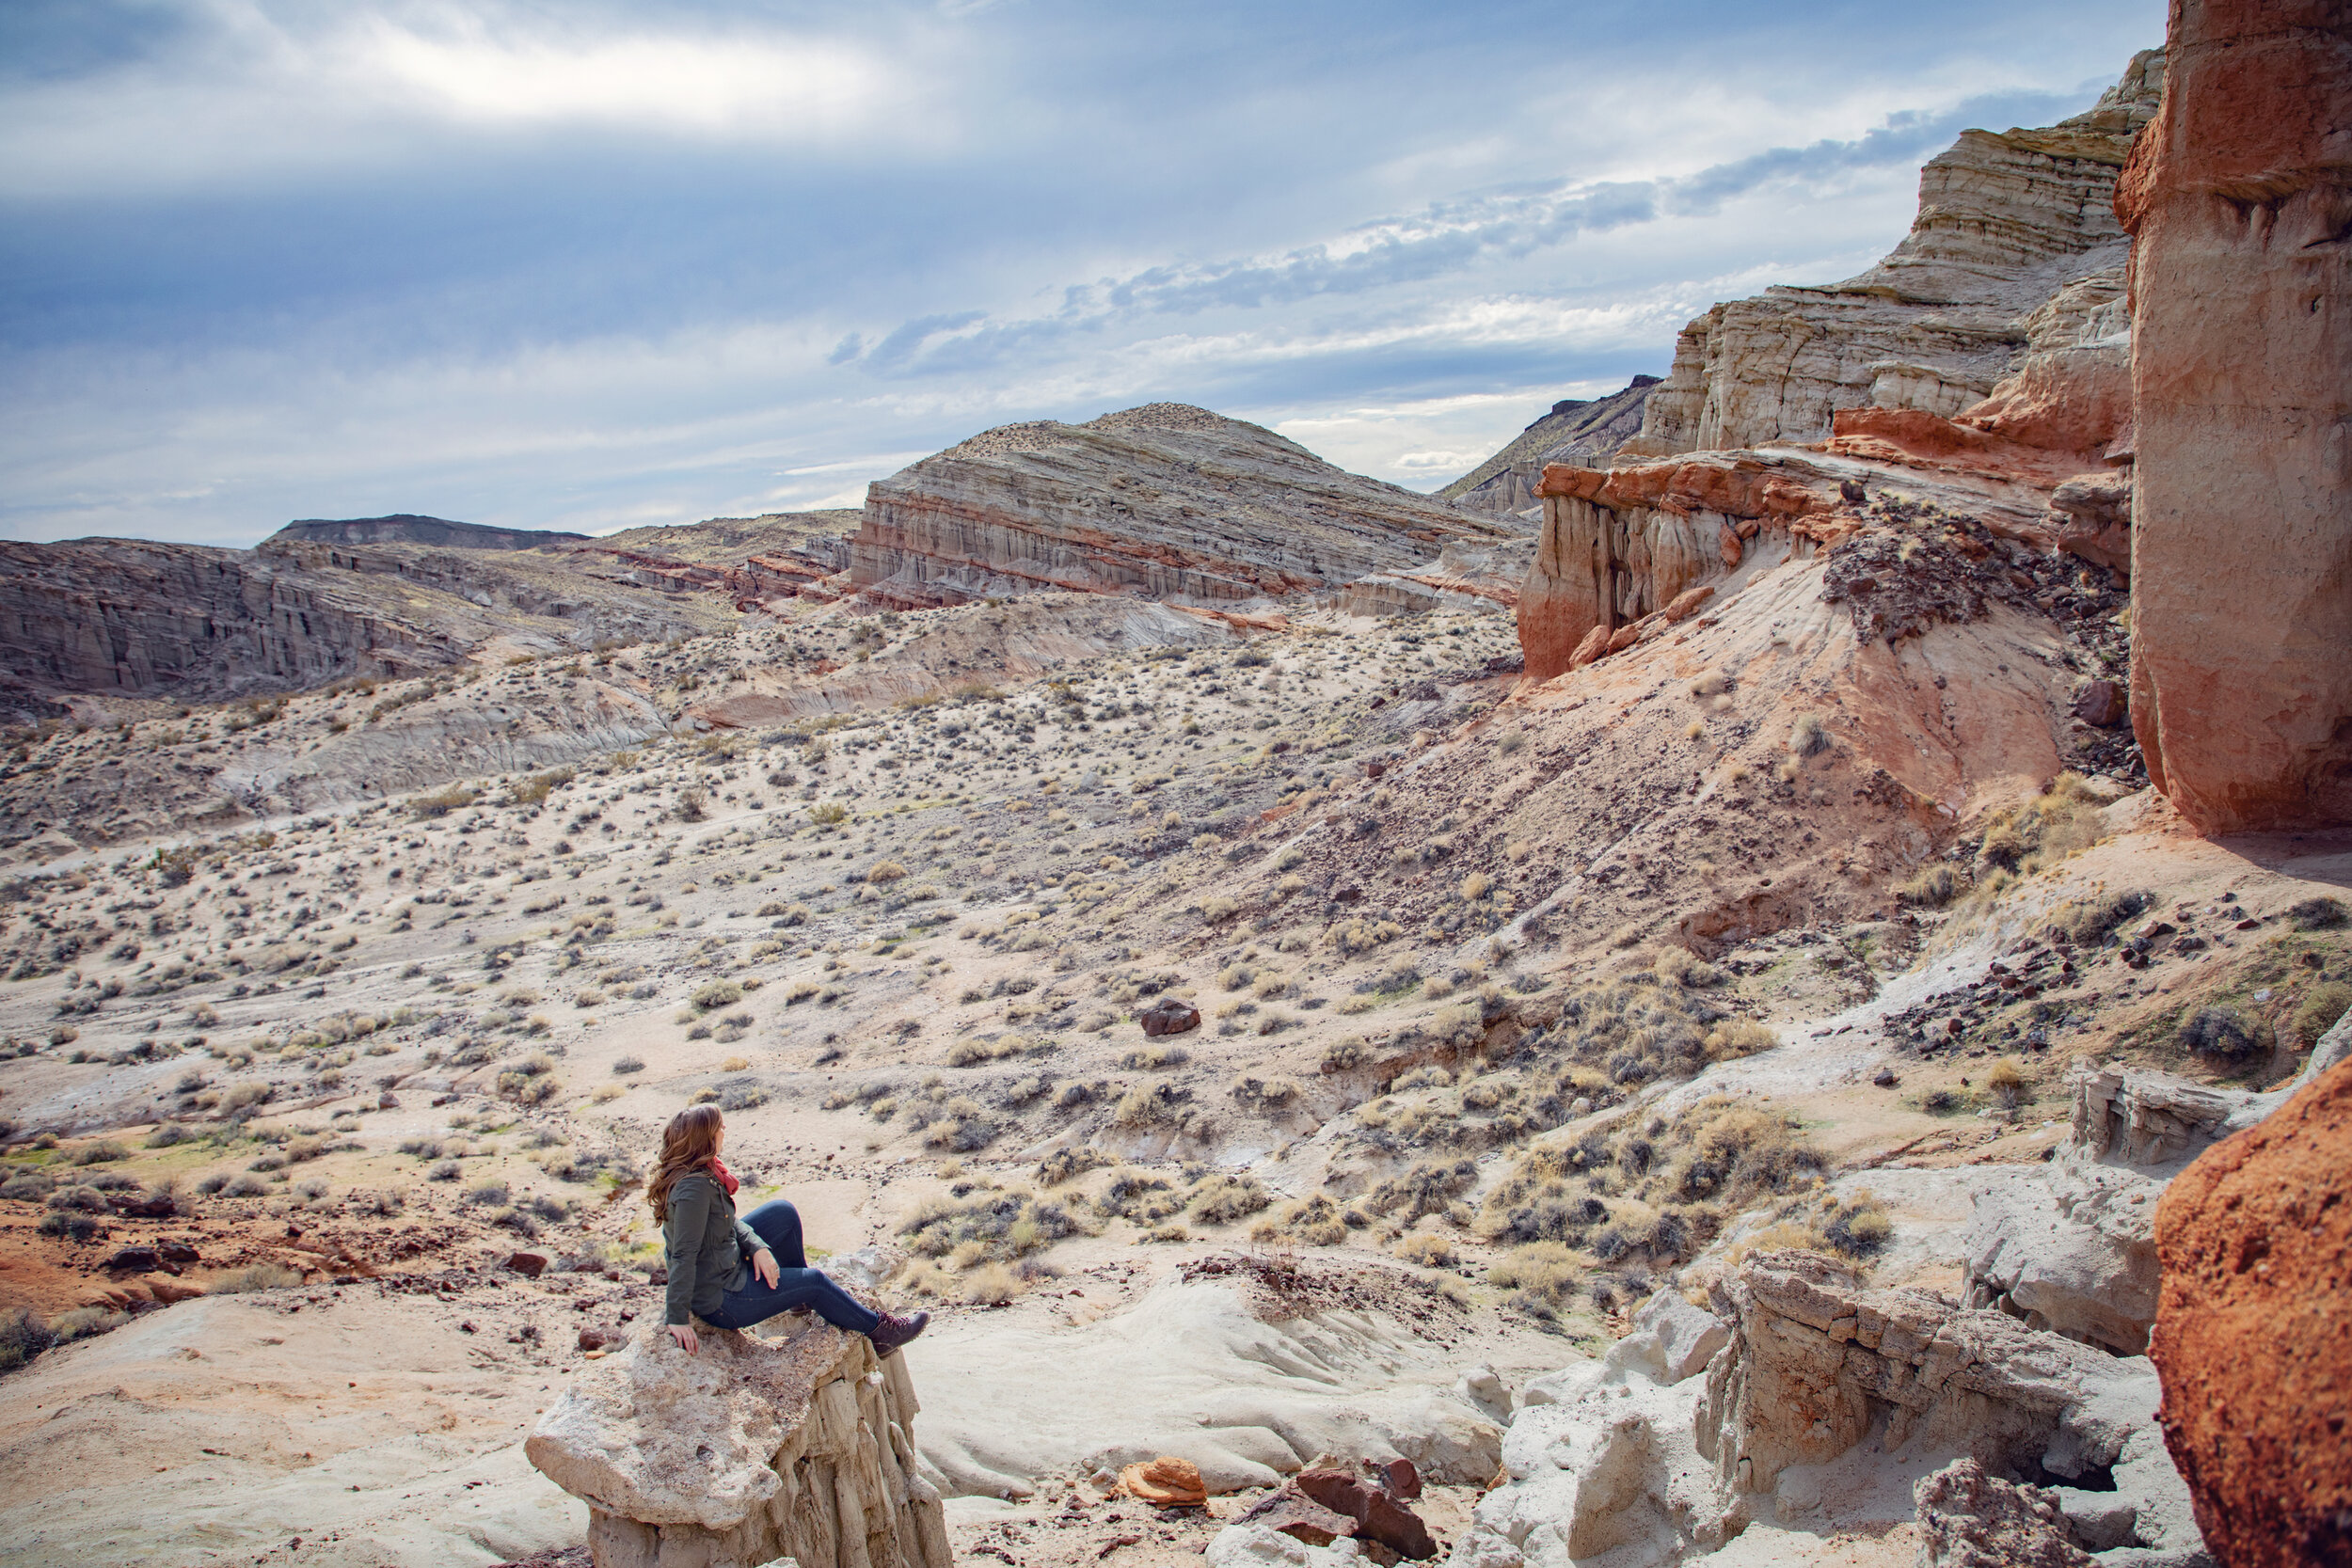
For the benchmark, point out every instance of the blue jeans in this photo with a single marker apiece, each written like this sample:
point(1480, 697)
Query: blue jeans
point(798, 1288)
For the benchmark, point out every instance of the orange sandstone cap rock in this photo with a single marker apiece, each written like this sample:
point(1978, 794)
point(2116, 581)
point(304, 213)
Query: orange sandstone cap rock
point(1166, 1483)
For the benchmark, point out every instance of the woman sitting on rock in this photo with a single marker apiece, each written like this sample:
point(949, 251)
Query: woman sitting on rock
point(733, 1273)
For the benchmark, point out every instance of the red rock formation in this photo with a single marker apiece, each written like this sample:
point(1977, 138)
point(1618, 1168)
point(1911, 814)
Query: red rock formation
point(2253, 1335)
point(1918, 440)
point(1620, 543)
point(2239, 198)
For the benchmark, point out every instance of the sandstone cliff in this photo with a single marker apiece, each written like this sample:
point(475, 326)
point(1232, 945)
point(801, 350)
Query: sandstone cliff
point(1582, 433)
point(1166, 501)
point(2242, 379)
point(2013, 266)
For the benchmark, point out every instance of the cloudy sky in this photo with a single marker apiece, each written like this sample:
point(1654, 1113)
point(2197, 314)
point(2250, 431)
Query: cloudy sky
point(587, 265)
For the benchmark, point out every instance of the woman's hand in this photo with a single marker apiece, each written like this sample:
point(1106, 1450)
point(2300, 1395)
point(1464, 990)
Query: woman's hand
point(684, 1334)
point(764, 1265)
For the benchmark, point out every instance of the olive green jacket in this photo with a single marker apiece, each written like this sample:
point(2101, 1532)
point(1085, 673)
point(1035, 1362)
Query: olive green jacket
point(710, 1249)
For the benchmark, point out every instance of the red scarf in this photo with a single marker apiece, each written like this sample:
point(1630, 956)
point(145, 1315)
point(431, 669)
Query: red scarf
point(727, 1178)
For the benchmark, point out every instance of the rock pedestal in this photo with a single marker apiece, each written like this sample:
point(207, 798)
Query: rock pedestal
point(2242, 382)
point(748, 1451)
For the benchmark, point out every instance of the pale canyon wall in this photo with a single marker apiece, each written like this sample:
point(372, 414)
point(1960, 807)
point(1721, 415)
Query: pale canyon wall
point(2015, 252)
point(2240, 199)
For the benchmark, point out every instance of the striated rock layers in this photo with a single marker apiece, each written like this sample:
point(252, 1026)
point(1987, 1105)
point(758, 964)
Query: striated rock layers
point(2254, 1334)
point(1627, 551)
point(1584, 432)
point(2013, 268)
point(1166, 501)
point(2239, 198)
point(748, 1451)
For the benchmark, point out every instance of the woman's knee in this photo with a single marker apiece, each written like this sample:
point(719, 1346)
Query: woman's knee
point(775, 1215)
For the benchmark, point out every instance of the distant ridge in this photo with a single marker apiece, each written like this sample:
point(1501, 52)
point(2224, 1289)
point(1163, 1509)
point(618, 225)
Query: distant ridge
point(406, 528)
point(1584, 433)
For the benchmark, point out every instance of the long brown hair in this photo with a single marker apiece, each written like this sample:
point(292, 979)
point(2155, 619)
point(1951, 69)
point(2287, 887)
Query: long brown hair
point(688, 1144)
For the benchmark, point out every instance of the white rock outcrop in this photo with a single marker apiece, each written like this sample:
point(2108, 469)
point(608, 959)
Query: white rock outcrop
point(2072, 1246)
point(1822, 1402)
point(749, 1451)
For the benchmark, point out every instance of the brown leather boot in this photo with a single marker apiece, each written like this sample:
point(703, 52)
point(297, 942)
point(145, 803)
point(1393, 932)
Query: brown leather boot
point(894, 1331)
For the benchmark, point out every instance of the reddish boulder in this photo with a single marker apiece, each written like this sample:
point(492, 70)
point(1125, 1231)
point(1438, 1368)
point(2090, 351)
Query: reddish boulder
point(1299, 1517)
point(2102, 703)
point(531, 1265)
point(1171, 1016)
point(2236, 196)
point(1378, 1516)
point(2253, 1334)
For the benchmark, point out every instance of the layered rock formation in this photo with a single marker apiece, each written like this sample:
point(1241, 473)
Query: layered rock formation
point(1816, 1391)
point(745, 1453)
point(1623, 548)
point(2072, 1248)
point(1166, 501)
point(2013, 267)
point(2242, 380)
point(2254, 1334)
point(1584, 432)
point(406, 528)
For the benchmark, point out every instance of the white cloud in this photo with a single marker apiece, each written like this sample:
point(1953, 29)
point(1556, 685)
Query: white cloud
point(760, 86)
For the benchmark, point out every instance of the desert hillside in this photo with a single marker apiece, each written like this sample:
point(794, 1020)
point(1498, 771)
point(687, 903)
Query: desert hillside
point(1708, 996)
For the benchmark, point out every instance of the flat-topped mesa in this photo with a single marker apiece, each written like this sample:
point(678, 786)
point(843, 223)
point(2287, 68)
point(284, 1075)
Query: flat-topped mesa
point(2012, 272)
point(2242, 384)
point(747, 1451)
point(407, 527)
point(1167, 501)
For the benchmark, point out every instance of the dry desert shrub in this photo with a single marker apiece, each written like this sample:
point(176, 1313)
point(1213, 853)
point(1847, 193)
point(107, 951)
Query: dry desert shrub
point(989, 1224)
point(1658, 1192)
point(1426, 1250)
point(1316, 1221)
point(1931, 887)
point(257, 1276)
point(22, 1336)
point(2227, 1034)
point(2043, 830)
point(1223, 1199)
point(2006, 1084)
point(2319, 1009)
point(1066, 1164)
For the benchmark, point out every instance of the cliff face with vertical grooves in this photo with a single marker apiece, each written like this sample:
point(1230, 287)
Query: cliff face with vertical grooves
point(1166, 501)
point(2014, 252)
point(137, 618)
point(2240, 199)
